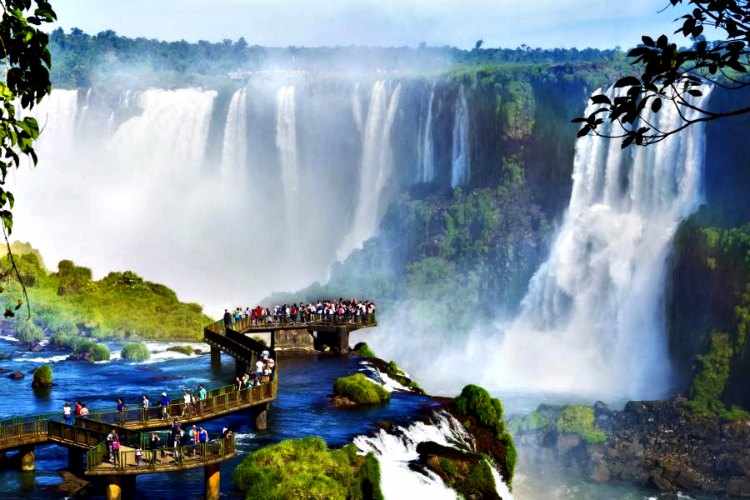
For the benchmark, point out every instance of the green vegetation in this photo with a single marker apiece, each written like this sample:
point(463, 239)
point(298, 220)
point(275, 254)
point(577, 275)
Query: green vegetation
point(476, 402)
point(363, 350)
point(534, 421)
point(307, 468)
point(182, 349)
point(579, 419)
point(69, 305)
point(360, 389)
point(27, 332)
point(397, 374)
point(709, 324)
point(26, 62)
point(135, 351)
point(42, 376)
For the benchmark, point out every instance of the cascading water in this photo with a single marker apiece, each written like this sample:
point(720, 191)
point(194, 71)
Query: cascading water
point(592, 321)
point(394, 451)
point(286, 142)
point(461, 157)
point(427, 154)
point(377, 163)
point(234, 150)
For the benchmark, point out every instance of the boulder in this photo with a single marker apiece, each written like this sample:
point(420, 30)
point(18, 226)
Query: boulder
point(16, 375)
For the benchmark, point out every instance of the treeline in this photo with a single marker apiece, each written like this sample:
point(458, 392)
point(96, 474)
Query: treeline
point(80, 59)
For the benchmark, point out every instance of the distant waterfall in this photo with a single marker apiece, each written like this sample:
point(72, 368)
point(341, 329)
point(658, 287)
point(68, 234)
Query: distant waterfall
point(171, 129)
point(592, 321)
point(286, 142)
point(461, 157)
point(57, 115)
point(377, 163)
point(427, 153)
point(357, 108)
point(234, 149)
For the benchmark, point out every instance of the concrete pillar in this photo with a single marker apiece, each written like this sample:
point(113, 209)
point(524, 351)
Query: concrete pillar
point(273, 340)
point(342, 340)
point(26, 456)
point(213, 481)
point(113, 489)
point(261, 418)
point(76, 460)
point(215, 356)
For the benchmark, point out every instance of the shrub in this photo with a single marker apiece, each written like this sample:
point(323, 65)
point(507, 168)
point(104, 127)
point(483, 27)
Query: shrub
point(579, 419)
point(477, 402)
point(27, 332)
point(42, 376)
point(182, 349)
point(307, 468)
point(135, 351)
point(360, 389)
point(362, 349)
point(99, 352)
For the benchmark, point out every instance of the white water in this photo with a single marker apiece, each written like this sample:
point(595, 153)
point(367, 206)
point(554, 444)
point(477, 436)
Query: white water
point(427, 155)
point(286, 142)
point(377, 164)
point(592, 321)
point(395, 450)
point(382, 379)
point(461, 157)
point(234, 150)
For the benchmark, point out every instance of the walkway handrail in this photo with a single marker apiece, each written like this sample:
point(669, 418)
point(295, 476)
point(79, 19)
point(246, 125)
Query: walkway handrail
point(22, 427)
point(217, 400)
point(315, 320)
point(192, 454)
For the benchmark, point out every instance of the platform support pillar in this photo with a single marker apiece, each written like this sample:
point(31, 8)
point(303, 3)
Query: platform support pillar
point(26, 455)
point(213, 481)
point(261, 417)
point(215, 356)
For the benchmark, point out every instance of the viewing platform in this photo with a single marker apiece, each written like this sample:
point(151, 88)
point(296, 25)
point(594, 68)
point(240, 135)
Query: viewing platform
point(241, 338)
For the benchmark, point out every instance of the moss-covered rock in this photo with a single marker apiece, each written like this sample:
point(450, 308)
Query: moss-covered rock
point(307, 468)
point(135, 351)
point(483, 416)
point(467, 473)
point(182, 349)
point(579, 420)
point(363, 350)
point(360, 390)
point(42, 377)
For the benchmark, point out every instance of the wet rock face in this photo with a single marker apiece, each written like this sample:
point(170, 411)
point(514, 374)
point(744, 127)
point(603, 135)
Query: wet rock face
point(16, 376)
point(658, 444)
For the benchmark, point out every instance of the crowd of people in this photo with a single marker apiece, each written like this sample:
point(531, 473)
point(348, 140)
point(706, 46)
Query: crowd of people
point(341, 310)
point(263, 374)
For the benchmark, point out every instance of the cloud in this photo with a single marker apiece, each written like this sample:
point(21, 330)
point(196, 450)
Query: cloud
point(507, 23)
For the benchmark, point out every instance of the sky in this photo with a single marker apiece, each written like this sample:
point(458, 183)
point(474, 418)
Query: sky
point(500, 23)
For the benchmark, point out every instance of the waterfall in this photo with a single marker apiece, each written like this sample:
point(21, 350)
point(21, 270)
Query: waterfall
point(394, 450)
point(234, 149)
point(57, 116)
point(461, 157)
point(376, 166)
point(592, 320)
point(357, 108)
point(286, 142)
point(427, 151)
point(171, 129)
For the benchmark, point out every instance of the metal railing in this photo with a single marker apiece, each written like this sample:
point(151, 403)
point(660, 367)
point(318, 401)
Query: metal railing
point(98, 459)
point(217, 401)
point(306, 321)
point(13, 430)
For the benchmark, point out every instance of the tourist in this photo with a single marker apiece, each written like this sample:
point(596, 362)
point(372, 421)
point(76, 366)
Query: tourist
point(187, 402)
point(227, 319)
point(202, 394)
point(238, 383)
point(259, 366)
point(203, 437)
point(78, 409)
point(122, 409)
point(164, 402)
point(84, 410)
point(67, 413)
point(110, 439)
point(154, 444)
point(145, 403)
point(138, 456)
point(116, 448)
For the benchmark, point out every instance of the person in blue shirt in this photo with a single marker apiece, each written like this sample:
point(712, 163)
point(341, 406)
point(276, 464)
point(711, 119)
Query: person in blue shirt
point(164, 401)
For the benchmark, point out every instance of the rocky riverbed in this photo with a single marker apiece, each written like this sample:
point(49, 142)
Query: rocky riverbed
point(657, 444)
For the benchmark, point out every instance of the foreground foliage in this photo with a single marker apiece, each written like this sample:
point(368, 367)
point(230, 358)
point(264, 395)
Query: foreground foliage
point(307, 468)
